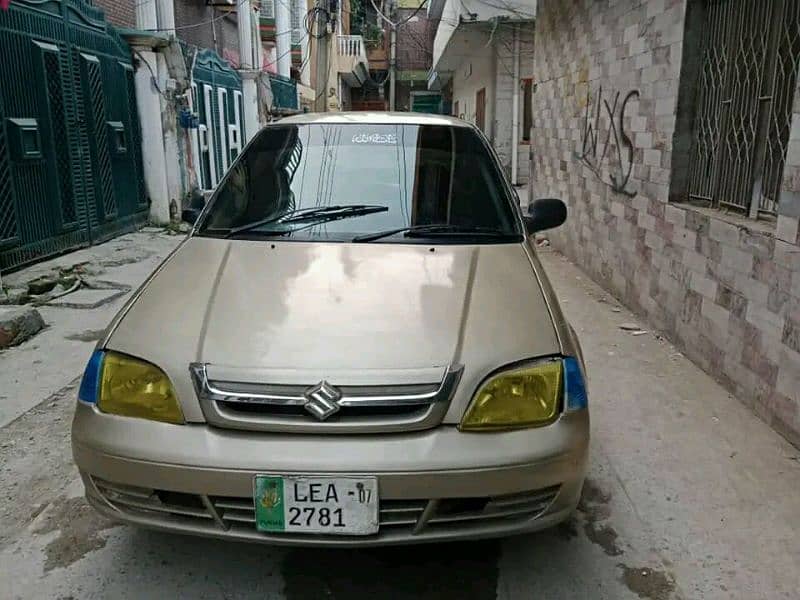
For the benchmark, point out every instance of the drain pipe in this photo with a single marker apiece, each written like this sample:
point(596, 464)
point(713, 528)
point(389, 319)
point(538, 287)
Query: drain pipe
point(515, 112)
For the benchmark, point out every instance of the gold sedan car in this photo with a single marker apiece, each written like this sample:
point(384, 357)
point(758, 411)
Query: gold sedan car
point(355, 345)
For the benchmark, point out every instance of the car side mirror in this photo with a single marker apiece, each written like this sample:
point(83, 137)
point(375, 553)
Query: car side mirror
point(190, 215)
point(545, 213)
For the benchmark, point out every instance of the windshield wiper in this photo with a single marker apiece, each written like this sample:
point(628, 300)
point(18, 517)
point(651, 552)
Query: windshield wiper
point(321, 213)
point(442, 229)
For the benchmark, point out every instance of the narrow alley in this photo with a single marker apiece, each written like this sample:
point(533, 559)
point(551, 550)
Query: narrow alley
point(689, 494)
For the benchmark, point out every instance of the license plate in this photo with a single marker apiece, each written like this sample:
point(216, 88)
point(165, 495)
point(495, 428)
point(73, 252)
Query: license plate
point(309, 504)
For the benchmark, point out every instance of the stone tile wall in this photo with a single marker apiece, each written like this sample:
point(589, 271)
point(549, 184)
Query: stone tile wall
point(726, 290)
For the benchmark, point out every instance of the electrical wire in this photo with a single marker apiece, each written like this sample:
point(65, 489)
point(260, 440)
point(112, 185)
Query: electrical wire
point(312, 17)
point(391, 23)
point(149, 68)
point(277, 58)
point(195, 25)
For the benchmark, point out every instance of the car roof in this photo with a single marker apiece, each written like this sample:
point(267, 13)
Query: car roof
point(358, 117)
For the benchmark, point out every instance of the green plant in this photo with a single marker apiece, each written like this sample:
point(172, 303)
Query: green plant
point(372, 34)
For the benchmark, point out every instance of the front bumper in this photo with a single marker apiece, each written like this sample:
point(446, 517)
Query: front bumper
point(434, 485)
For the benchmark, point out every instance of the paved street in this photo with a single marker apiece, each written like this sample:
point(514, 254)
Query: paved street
point(689, 494)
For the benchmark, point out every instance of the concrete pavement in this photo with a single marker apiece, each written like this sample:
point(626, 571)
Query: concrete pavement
point(689, 496)
point(31, 372)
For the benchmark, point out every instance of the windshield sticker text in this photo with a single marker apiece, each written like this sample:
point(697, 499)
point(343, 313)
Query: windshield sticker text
point(375, 138)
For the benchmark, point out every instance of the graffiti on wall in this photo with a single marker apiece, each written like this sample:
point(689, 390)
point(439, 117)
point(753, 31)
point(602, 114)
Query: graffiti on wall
point(605, 143)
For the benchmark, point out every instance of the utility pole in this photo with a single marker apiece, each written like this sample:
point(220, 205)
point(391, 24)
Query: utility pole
point(321, 37)
point(392, 58)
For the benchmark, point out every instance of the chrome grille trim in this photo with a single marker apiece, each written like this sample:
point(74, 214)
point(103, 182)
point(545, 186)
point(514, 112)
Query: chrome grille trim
point(292, 395)
point(419, 406)
point(409, 517)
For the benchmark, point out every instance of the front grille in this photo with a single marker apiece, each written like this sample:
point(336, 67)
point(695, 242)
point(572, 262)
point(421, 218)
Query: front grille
point(342, 409)
point(409, 517)
point(345, 413)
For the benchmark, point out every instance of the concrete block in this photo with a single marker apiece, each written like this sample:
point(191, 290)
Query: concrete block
point(765, 320)
point(791, 334)
point(664, 106)
point(715, 313)
point(654, 241)
point(695, 261)
point(724, 232)
point(644, 140)
point(731, 300)
point(675, 215)
point(643, 60)
point(660, 174)
point(788, 382)
point(787, 227)
point(703, 285)
point(18, 323)
point(684, 238)
point(755, 291)
point(646, 220)
point(652, 158)
point(639, 125)
point(787, 255)
point(737, 259)
point(631, 33)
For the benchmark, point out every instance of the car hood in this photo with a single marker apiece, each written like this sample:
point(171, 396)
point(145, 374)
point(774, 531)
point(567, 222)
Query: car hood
point(295, 312)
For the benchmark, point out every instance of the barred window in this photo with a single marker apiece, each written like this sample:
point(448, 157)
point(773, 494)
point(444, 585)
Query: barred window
point(743, 106)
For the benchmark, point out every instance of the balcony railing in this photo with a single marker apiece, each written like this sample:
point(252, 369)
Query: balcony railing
point(352, 45)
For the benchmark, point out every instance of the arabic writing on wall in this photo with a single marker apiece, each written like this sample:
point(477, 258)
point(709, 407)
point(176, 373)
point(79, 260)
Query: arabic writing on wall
point(611, 149)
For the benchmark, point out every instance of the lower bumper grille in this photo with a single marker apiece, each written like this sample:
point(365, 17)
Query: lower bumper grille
point(409, 517)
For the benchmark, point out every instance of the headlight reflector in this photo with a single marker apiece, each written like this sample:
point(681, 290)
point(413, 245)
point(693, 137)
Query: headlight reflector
point(528, 396)
point(130, 387)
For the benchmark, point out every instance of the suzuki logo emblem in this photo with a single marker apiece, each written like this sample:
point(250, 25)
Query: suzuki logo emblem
point(322, 400)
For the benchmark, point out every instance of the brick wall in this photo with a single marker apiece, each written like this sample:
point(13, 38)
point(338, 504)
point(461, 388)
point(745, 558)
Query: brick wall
point(725, 290)
point(121, 13)
point(195, 12)
point(414, 40)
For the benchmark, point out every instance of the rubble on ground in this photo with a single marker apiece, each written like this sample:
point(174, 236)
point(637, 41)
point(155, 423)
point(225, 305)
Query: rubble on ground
point(17, 324)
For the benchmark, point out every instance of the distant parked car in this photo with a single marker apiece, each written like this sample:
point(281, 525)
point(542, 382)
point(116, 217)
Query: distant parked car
point(356, 344)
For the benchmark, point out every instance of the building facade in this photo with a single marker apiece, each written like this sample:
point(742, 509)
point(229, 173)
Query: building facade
point(414, 58)
point(483, 64)
point(672, 130)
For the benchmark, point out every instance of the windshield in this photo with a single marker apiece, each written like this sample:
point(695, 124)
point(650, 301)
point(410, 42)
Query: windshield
point(341, 182)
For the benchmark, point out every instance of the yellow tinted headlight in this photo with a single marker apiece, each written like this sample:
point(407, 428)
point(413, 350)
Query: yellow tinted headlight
point(524, 397)
point(134, 388)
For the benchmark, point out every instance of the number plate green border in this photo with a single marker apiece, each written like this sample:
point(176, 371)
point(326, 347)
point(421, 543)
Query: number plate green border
point(268, 501)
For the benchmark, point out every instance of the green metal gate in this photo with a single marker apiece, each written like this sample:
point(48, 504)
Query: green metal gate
point(216, 99)
point(70, 148)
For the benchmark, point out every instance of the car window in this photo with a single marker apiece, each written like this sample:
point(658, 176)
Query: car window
point(410, 175)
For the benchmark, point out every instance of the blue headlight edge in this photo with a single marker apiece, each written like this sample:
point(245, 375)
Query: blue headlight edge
point(90, 384)
point(575, 392)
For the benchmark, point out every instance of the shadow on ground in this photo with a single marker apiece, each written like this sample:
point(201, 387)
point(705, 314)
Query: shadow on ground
point(443, 571)
point(223, 569)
